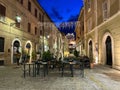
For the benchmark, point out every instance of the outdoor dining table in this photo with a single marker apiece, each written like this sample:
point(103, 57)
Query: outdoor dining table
point(35, 65)
point(71, 64)
point(25, 69)
point(45, 67)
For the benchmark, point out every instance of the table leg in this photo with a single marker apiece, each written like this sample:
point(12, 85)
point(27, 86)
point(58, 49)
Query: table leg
point(71, 69)
point(38, 68)
point(47, 69)
point(62, 69)
point(82, 69)
point(29, 69)
point(24, 69)
point(44, 69)
point(33, 71)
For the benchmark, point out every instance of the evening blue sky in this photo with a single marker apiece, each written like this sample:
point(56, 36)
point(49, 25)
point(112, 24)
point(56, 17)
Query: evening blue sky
point(62, 10)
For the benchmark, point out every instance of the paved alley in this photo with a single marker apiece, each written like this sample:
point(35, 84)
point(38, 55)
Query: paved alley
point(98, 78)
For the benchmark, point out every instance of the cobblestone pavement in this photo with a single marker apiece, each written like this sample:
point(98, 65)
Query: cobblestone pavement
point(98, 78)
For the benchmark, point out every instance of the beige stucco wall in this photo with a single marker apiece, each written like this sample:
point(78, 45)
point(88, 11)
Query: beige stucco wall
point(111, 28)
point(12, 33)
point(103, 28)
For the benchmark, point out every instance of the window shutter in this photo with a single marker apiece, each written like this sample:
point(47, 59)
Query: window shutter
point(1, 44)
point(2, 10)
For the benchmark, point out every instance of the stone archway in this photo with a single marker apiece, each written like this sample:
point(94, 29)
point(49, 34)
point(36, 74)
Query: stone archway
point(90, 49)
point(108, 51)
point(16, 46)
point(28, 49)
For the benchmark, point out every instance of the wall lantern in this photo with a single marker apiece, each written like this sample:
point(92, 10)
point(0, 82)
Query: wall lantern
point(17, 19)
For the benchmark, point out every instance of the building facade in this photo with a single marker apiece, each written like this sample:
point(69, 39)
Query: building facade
point(79, 29)
point(101, 31)
point(22, 29)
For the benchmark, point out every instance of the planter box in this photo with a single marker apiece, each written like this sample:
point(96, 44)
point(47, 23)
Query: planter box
point(91, 65)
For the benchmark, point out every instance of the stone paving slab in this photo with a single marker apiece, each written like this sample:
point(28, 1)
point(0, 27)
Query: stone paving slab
point(11, 78)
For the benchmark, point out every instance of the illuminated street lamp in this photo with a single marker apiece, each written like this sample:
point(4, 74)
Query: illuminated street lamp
point(18, 20)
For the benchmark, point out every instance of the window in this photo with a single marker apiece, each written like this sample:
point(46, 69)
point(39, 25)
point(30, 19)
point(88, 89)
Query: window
point(105, 10)
point(89, 24)
point(2, 13)
point(1, 44)
point(42, 18)
point(89, 5)
point(35, 30)
point(40, 32)
point(39, 17)
point(29, 6)
point(35, 12)
point(21, 1)
point(29, 27)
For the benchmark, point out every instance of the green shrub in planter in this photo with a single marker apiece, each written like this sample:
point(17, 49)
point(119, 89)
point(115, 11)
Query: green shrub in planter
point(76, 53)
point(46, 56)
point(33, 55)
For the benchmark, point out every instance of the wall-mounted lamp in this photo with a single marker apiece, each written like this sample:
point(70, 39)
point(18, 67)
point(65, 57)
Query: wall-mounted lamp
point(48, 36)
point(17, 19)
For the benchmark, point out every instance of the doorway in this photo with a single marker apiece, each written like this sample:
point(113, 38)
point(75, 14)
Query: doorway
point(90, 50)
point(16, 47)
point(108, 51)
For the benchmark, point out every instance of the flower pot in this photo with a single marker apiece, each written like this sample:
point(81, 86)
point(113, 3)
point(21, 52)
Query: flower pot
point(91, 65)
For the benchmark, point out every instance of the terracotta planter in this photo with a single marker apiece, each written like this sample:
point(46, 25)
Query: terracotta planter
point(91, 65)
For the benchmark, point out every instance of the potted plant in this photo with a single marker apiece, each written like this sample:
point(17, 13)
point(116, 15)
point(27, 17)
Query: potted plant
point(33, 55)
point(46, 56)
point(76, 53)
point(91, 62)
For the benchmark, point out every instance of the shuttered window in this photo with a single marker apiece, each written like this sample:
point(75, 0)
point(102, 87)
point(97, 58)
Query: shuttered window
point(1, 44)
point(2, 13)
point(29, 6)
point(105, 10)
point(21, 1)
point(35, 12)
point(35, 30)
point(29, 27)
point(89, 5)
point(39, 17)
